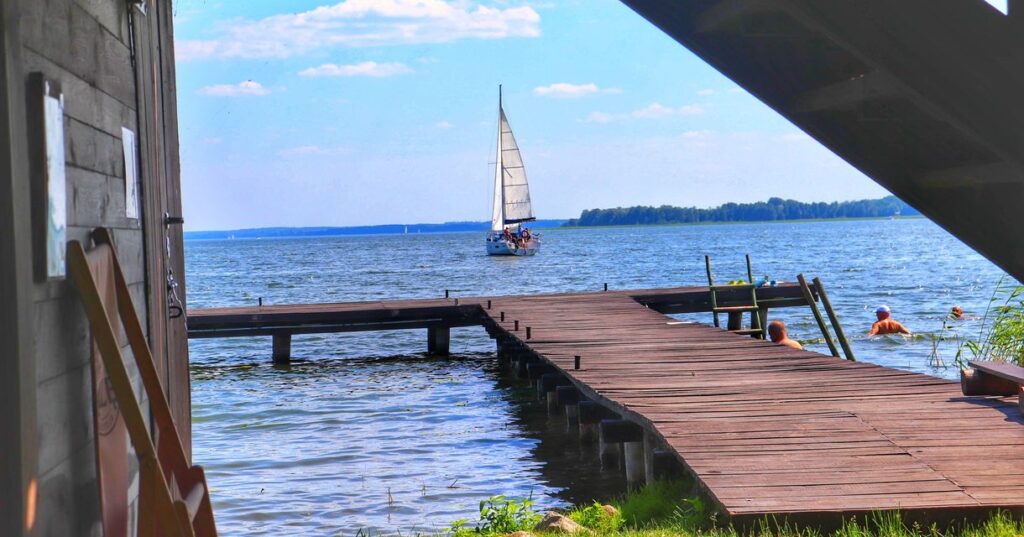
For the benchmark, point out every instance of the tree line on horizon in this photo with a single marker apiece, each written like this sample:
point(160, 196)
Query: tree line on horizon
point(762, 211)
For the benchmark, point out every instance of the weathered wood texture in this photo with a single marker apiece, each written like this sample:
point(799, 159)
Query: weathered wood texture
point(423, 313)
point(771, 430)
point(86, 46)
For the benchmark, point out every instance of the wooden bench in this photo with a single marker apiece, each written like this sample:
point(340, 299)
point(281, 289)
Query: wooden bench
point(993, 378)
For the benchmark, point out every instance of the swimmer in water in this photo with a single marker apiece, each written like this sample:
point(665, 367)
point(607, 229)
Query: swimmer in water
point(777, 333)
point(957, 312)
point(885, 325)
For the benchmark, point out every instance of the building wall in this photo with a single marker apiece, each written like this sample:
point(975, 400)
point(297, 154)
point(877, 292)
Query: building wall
point(86, 46)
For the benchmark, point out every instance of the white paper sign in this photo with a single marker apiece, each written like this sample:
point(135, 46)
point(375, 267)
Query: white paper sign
point(131, 174)
point(56, 186)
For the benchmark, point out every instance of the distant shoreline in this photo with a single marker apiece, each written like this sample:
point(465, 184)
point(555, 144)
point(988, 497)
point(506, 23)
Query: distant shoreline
point(315, 232)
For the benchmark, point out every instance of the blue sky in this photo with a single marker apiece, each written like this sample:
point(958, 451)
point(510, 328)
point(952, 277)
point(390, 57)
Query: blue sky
point(308, 113)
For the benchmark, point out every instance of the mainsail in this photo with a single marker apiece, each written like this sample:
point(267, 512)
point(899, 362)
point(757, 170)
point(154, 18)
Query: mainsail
point(511, 192)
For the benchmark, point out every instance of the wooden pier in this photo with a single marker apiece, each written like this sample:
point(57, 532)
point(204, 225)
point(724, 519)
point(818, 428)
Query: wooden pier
point(764, 430)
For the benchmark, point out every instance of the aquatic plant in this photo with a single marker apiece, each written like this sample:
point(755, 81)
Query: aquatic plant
point(1000, 336)
point(500, 515)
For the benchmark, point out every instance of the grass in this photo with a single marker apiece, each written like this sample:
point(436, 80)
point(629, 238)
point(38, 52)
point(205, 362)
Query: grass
point(663, 509)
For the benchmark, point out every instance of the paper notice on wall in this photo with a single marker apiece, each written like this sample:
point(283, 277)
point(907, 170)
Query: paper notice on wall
point(131, 174)
point(56, 185)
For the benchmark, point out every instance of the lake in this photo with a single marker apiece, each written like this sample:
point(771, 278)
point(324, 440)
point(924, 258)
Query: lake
point(364, 432)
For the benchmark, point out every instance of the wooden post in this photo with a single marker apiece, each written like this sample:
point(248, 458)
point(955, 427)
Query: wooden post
point(735, 321)
point(589, 416)
point(438, 340)
point(569, 397)
point(631, 437)
point(817, 315)
point(282, 348)
point(651, 443)
point(834, 320)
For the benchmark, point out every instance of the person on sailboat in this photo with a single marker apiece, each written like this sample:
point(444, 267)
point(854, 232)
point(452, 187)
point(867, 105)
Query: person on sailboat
point(526, 236)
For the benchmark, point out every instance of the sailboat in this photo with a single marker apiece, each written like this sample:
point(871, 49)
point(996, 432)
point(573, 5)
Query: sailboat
point(512, 208)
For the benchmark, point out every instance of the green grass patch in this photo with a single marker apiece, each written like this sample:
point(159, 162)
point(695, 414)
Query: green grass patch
point(663, 509)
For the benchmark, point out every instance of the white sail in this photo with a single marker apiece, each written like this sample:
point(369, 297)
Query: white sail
point(516, 192)
point(498, 210)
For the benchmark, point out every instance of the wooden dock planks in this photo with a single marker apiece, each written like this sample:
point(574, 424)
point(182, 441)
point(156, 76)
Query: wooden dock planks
point(769, 430)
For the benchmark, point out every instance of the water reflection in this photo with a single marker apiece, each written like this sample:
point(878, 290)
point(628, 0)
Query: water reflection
point(394, 444)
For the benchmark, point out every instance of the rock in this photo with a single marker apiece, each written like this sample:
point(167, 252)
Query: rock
point(610, 511)
point(558, 523)
point(520, 533)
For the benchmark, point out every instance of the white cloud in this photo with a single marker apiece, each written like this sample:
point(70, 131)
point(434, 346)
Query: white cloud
point(355, 23)
point(313, 150)
point(372, 69)
point(651, 111)
point(697, 135)
point(567, 90)
point(247, 88)
point(443, 124)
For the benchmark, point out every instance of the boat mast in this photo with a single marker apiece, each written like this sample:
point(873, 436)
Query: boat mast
point(499, 184)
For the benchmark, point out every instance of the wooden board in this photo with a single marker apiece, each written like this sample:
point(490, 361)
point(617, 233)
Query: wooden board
point(769, 430)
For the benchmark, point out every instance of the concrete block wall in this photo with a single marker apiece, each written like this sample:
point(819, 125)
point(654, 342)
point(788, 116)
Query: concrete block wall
point(85, 45)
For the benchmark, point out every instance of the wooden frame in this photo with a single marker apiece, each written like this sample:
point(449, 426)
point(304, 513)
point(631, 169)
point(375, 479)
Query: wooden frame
point(18, 426)
point(173, 496)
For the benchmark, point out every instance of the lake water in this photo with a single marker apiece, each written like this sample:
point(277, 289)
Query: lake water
point(364, 432)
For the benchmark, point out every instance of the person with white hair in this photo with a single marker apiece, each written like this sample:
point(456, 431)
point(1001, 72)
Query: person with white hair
point(885, 324)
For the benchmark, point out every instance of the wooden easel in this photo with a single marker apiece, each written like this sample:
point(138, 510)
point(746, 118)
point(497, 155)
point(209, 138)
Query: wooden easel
point(173, 497)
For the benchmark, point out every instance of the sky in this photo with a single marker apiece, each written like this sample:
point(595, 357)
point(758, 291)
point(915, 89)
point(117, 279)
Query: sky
point(361, 112)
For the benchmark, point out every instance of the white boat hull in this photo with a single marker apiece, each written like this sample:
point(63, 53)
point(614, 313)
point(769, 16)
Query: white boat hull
point(497, 245)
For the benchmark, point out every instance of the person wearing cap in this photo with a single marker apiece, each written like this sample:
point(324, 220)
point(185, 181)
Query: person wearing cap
point(957, 313)
point(886, 325)
point(777, 333)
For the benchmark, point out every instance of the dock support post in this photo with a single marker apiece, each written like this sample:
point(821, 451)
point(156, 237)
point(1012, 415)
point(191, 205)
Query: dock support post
point(282, 348)
point(636, 472)
point(547, 388)
point(569, 397)
point(651, 444)
point(630, 437)
point(735, 321)
point(666, 465)
point(438, 339)
point(590, 415)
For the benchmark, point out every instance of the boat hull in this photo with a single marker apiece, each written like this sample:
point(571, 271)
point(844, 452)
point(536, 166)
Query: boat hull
point(497, 245)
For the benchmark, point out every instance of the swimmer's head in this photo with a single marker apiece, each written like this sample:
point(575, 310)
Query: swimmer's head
point(882, 312)
point(957, 312)
point(776, 331)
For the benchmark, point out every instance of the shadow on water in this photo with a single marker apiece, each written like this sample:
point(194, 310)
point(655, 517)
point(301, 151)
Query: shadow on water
point(403, 443)
point(567, 464)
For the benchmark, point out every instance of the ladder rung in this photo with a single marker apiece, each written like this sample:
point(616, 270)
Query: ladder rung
point(734, 309)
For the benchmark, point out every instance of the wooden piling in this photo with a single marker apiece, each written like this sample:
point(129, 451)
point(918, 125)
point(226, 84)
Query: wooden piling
point(809, 297)
point(438, 340)
point(590, 416)
point(834, 320)
point(282, 348)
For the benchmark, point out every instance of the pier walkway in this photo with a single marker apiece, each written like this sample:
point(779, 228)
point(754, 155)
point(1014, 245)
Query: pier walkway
point(763, 429)
point(768, 430)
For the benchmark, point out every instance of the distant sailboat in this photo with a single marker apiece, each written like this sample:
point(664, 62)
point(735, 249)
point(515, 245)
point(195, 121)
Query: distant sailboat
point(512, 207)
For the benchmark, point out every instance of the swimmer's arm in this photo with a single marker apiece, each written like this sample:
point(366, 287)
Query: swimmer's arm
point(874, 329)
point(904, 329)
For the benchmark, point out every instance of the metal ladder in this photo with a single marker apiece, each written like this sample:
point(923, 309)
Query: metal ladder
point(755, 329)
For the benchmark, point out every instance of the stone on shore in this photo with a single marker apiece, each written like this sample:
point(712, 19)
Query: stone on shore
point(558, 523)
